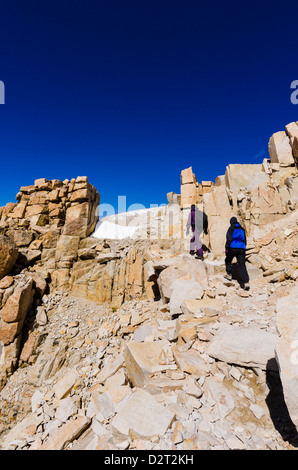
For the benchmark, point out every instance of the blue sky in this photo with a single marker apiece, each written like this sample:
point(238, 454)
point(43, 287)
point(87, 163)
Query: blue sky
point(129, 93)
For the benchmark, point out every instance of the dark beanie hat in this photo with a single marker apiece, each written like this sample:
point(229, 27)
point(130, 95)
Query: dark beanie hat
point(233, 221)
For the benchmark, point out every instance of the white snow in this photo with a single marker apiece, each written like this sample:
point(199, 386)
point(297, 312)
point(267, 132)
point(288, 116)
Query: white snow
point(112, 231)
point(129, 224)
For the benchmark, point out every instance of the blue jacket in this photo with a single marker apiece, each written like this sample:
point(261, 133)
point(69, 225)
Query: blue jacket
point(236, 237)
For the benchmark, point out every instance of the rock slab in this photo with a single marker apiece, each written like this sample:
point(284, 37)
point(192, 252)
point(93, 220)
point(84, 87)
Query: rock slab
point(245, 346)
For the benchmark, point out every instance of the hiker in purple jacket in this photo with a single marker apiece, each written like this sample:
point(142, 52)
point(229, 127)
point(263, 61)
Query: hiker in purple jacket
point(197, 221)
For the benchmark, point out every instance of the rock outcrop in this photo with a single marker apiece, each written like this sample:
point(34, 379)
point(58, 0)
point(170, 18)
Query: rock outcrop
point(287, 349)
point(41, 242)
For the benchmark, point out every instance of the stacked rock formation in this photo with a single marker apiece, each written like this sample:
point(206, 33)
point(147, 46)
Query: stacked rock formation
point(39, 242)
point(258, 194)
point(191, 191)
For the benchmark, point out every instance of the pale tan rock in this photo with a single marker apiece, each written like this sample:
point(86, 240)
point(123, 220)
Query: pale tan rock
point(65, 384)
point(67, 250)
point(76, 222)
point(18, 304)
point(183, 289)
point(35, 209)
point(240, 176)
point(206, 306)
point(8, 255)
point(27, 189)
point(6, 282)
point(280, 150)
point(29, 347)
point(8, 332)
point(80, 195)
point(20, 237)
point(82, 179)
point(195, 269)
point(134, 274)
point(266, 206)
point(143, 359)
point(111, 367)
point(287, 350)
point(190, 361)
point(67, 408)
point(189, 191)
point(19, 210)
point(178, 432)
point(292, 129)
point(103, 404)
point(221, 395)
point(40, 197)
point(187, 176)
point(40, 282)
point(189, 195)
point(249, 347)
point(22, 429)
point(217, 203)
point(141, 416)
point(42, 183)
point(66, 434)
point(53, 196)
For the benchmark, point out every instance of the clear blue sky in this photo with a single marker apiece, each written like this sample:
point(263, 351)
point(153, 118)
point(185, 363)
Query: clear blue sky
point(131, 92)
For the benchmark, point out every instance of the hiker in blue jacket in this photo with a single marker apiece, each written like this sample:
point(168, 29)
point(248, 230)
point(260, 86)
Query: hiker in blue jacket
point(236, 247)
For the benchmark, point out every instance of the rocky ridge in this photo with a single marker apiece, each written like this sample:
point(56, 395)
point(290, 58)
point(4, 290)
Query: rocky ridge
point(135, 344)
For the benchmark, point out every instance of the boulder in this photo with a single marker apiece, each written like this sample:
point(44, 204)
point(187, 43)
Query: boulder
point(63, 387)
point(143, 359)
point(183, 289)
point(190, 361)
point(292, 129)
point(66, 434)
point(248, 347)
point(142, 416)
point(12, 317)
point(179, 269)
point(240, 176)
point(206, 306)
point(187, 176)
point(287, 350)
point(280, 149)
point(8, 255)
point(18, 304)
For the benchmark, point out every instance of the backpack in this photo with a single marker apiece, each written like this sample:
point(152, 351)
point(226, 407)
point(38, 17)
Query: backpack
point(238, 238)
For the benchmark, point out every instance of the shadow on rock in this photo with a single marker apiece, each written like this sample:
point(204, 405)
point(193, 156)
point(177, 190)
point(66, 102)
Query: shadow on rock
point(277, 407)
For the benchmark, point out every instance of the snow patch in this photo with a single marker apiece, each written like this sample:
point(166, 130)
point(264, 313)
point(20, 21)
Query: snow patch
point(126, 224)
point(112, 231)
